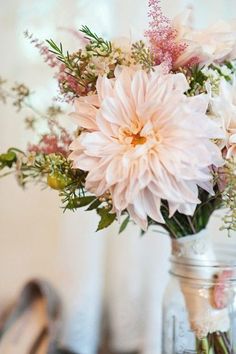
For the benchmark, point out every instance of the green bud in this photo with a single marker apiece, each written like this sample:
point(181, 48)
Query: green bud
point(58, 181)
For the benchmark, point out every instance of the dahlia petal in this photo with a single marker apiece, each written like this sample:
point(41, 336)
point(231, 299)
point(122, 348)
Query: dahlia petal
point(152, 205)
point(97, 173)
point(90, 99)
point(115, 171)
point(173, 207)
point(187, 208)
point(178, 82)
point(125, 102)
point(118, 197)
point(104, 88)
point(95, 144)
point(139, 207)
point(82, 161)
point(141, 222)
point(138, 88)
point(109, 130)
point(112, 112)
point(199, 103)
point(84, 108)
point(76, 145)
point(207, 186)
point(85, 115)
point(100, 187)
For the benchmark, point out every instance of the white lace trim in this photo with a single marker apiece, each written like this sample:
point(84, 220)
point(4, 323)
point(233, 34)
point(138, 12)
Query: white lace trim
point(203, 317)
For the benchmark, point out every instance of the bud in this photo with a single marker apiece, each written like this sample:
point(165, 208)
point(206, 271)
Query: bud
point(57, 181)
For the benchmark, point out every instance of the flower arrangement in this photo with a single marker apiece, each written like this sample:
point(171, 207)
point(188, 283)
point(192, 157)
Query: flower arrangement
point(155, 128)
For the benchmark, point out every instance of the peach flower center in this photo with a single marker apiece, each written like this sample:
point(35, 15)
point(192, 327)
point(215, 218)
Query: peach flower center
point(132, 136)
point(137, 139)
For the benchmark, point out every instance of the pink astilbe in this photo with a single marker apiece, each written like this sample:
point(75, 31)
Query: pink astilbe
point(55, 142)
point(44, 51)
point(68, 84)
point(162, 36)
point(76, 34)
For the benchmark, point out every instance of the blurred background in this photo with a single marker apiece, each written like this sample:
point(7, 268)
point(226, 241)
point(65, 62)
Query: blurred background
point(103, 279)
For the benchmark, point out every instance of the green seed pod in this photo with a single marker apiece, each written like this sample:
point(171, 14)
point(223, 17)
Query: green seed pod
point(57, 181)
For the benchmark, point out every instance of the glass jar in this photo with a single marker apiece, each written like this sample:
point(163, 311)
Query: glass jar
point(199, 307)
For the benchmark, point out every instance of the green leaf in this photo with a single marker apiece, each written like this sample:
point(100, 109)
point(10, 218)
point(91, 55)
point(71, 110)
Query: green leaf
point(90, 35)
point(142, 232)
point(80, 202)
point(7, 159)
point(94, 205)
point(106, 218)
point(124, 224)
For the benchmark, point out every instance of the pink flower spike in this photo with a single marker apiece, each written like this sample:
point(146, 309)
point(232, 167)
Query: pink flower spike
point(77, 34)
point(49, 57)
point(162, 36)
point(57, 141)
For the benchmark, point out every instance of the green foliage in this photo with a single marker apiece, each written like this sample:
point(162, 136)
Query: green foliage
point(106, 218)
point(98, 45)
point(229, 196)
point(205, 209)
point(57, 172)
point(197, 80)
point(7, 159)
point(94, 205)
point(79, 64)
point(99, 57)
point(124, 224)
point(142, 55)
point(214, 343)
point(79, 202)
point(198, 77)
point(180, 225)
point(59, 52)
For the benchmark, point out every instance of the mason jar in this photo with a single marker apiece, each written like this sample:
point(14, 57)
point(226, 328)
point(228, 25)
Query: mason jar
point(199, 306)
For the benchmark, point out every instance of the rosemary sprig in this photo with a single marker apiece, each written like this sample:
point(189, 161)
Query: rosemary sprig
point(59, 52)
point(98, 45)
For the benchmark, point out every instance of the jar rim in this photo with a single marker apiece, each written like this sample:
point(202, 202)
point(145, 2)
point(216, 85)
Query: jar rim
point(218, 264)
point(206, 272)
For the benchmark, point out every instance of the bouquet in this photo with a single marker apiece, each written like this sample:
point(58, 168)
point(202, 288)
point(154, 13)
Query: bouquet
point(155, 130)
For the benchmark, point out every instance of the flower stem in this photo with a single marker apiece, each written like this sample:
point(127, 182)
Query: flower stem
point(214, 343)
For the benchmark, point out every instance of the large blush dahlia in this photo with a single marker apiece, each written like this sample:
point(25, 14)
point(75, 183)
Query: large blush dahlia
point(223, 107)
point(145, 141)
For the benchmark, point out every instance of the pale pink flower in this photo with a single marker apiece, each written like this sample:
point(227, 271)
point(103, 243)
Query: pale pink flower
point(146, 141)
point(223, 108)
point(213, 44)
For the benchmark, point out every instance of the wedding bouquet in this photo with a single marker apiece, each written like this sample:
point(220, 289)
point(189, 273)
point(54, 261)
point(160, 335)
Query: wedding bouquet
point(155, 130)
